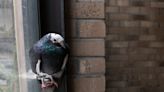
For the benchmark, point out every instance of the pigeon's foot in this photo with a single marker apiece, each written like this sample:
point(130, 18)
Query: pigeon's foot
point(49, 84)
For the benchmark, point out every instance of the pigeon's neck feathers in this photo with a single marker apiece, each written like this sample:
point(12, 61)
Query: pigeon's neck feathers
point(42, 41)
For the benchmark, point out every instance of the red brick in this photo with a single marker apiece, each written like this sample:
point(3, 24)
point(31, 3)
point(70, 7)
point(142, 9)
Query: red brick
point(92, 84)
point(87, 65)
point(87, 47)
point(87, 10)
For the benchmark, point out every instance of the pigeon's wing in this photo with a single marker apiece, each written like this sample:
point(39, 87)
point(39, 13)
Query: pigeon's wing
point(34, 56)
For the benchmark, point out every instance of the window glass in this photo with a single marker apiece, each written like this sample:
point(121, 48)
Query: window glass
point(8, 61)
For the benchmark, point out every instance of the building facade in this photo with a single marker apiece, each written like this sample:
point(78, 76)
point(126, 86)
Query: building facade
point(116, 45)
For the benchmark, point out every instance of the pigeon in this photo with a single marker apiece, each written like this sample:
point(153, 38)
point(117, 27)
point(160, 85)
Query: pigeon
point(49, 57)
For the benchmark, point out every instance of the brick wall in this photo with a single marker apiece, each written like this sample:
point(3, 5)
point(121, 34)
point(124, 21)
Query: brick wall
point(85, 32)
point(135, 45)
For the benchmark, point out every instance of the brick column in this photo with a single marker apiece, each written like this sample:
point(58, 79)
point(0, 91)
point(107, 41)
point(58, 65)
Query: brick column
point(85, 31)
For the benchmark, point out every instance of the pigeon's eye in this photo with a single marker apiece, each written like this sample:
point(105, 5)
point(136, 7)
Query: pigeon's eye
point(54, 40)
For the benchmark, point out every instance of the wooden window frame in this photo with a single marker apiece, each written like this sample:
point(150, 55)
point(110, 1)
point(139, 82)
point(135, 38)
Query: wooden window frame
point(20, 48)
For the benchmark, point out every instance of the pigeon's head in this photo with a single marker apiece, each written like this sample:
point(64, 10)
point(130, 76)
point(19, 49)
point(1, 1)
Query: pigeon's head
point(56, 39)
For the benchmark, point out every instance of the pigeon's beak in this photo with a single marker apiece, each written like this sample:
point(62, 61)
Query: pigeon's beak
point(62, 44)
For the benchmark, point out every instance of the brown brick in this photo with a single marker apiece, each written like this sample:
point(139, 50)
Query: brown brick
point(149, 24)
point(88, 47)
point(130, 89)
point(139, 63)
point(140, 17)
point(123, 2)
point(117, 51)
point(148, 11)
point(161, 24)
point(130, 10)
point(119, 44)
point(159, 18)
point(87, 10)
point(91, 28)
point(124, 30)
point(86, 28)
point(114, 24)
point(112, 9)
point(157, 4)
point(118, 57)
point(87, 65)
point(111, 89)
point(137, 44)
point(81, 84)
point(90, 0)
point(138, 57)
point(112, 37)
point(112, 2)
point(138, 3)
point(157, 44)
point(130, 23)
point(146, 64)
point(119, 84)
point(147, 37)
point(129, 37)
point(120, 16)
point(117, 64)
point(161, 11)
point(141, 50)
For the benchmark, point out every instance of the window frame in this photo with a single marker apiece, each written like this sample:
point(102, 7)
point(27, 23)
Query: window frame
point(19, 26)
point(20, 48)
